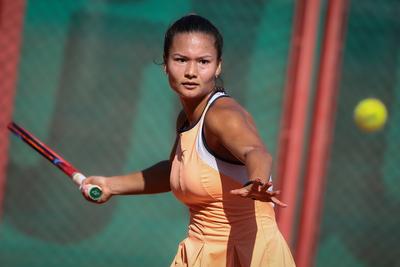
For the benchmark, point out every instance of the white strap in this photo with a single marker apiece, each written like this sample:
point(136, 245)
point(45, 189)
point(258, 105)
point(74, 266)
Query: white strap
point(210, 101)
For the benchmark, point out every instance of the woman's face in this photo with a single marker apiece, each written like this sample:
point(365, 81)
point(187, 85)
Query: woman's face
point(192, 64)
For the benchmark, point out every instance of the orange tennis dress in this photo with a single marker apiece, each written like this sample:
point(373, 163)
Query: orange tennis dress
point(224, 229)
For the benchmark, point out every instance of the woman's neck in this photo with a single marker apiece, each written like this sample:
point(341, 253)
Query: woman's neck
point(193, 108)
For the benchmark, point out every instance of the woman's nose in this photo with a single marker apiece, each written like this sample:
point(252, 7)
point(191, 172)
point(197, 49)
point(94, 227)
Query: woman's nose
point(191, 70)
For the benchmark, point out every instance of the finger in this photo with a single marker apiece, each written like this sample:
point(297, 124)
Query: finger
point(240, 192)
point(273, 193)
point(85, 182)
point(278, 202)
point(266, 186)
point(235, 191)
point(84, 189)
point(256, 185)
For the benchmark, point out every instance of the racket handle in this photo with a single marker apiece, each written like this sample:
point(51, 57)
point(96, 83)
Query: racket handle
point(93, 191)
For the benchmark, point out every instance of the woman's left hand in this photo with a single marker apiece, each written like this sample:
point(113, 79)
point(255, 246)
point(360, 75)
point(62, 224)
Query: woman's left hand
point(259, 191)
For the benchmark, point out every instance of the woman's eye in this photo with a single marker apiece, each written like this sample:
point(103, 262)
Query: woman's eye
point(204, 61)
point(179, 59)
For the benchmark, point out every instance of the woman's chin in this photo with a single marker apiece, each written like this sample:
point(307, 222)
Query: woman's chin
point(192, 93)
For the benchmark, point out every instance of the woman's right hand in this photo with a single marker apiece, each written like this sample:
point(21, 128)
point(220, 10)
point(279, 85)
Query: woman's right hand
point(100, 181)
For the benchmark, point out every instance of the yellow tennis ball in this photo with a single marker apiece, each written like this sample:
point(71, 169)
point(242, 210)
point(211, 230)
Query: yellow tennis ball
point(370, 114)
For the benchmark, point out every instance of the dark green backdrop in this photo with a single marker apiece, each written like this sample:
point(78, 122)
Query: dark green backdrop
point(91, 87)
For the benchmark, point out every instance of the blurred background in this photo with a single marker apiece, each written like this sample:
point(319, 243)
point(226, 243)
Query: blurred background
point(85, 77)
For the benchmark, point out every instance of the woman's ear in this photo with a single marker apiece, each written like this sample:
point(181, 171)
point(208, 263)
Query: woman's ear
point(165, 68)
point(219, 69)
point(165, 64)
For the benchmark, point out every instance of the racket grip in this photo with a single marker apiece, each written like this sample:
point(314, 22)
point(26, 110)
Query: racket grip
point(93, 191)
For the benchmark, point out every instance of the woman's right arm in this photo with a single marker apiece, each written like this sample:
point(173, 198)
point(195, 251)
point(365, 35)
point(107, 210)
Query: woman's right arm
point(152, 180)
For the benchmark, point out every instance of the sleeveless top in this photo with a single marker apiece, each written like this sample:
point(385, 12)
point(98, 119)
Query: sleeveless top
point(224, 229)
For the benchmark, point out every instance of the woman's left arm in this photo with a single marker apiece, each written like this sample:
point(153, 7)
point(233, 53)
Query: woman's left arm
point(233, 127)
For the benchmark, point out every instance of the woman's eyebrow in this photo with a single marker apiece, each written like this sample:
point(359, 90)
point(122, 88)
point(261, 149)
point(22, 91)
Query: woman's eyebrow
point(199, 57)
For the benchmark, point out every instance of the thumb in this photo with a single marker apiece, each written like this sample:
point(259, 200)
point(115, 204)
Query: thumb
point(85, 184)
point(239, 192)
point(86, 181)
point(235, 191)
point(91, 180)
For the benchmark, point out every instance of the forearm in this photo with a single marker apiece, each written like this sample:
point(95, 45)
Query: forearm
point(154, 179)
point(258, 164)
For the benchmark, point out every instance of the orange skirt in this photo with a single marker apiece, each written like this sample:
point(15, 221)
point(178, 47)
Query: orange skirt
point(273, 252)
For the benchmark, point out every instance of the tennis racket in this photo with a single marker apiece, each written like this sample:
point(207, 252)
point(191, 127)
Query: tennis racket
point(93, 191)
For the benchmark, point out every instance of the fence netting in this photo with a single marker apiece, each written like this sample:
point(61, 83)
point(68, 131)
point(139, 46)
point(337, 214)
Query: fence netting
point(362, 197)
point(91, 86)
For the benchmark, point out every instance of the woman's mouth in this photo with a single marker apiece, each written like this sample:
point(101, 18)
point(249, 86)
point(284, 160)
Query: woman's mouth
point(190, 85)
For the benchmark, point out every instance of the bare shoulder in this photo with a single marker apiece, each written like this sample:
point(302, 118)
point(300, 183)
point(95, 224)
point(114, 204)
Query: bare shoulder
point(225, 113)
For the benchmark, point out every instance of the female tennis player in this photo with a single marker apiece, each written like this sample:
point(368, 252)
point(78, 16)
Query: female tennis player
point(219, 166)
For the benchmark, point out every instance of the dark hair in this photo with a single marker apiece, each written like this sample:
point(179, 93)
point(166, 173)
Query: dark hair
point(192, 23)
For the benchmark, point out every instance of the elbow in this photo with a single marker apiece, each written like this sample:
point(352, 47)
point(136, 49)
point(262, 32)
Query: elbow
point(268, 156)
point(259, 153)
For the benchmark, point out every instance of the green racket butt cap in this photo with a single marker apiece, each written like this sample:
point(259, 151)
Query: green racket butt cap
point(95, 192)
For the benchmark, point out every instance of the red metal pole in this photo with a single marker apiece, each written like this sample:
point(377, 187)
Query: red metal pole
point(321, 132)
point(11, 20)
point(295, 109)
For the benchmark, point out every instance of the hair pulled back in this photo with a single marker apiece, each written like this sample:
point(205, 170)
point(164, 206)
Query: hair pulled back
point(190, 24)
